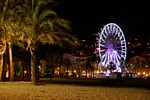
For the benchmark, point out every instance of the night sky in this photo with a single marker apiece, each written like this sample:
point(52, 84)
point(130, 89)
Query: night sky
point(88, 16)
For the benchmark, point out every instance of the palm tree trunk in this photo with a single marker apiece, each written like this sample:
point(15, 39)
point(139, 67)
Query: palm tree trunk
point(11, 63)
point(33, 68)
point(1, 66)
point(2, 50)
point(67, 71)
point(86, 71)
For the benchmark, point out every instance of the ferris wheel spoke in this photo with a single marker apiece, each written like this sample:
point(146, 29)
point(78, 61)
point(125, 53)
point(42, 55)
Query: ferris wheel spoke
point(117, 45)
point(115, 31)
point(97, 38)
point(103, 36)
point(118, 42)
point(119, 51)
point(110, 28)
point(103, 40)
point(102, 50)
point(118, 56)
point(120, 38)
point(105, 32)
point(103, 57)
point(115, 58)
point(102, 45)
point(109, 31)
point(117, 38)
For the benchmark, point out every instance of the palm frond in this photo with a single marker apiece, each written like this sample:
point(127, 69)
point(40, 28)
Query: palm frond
point(45, 14)
point(51, 39)
point(45, 2)
point(41, 36)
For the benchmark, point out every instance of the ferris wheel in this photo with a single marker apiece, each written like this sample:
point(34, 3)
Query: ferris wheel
point(111, 46)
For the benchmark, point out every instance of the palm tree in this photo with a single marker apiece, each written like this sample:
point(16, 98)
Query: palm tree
point(6, 33)
point(8, 22)
point(89, 63)
point(42, 25)
point(136, 64)
point(2, 36)
point(66, 63)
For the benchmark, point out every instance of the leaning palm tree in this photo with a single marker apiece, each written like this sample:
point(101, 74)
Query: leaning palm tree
point(42, 25)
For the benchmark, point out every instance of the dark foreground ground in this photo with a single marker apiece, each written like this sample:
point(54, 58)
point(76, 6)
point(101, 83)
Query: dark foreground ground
point(140, 83)
point(70, 89)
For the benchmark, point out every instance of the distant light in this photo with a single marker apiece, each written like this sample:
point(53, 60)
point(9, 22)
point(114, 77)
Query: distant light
point(97, 72)
point(129, 43)
point(76, 41)
point(139, 44)
point(39, 66)
point(25, 71)
point(83, 40)
point(135, 39)
point(86, 46)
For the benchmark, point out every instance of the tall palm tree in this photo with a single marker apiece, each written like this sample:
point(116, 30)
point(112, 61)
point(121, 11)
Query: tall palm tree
point(2, 36)
point(42, 25)
point(8, 22)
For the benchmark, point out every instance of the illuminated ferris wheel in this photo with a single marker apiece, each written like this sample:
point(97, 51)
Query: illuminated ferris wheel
point(111, 46)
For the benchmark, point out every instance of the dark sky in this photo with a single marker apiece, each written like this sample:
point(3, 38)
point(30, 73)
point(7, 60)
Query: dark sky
point(88, 16)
